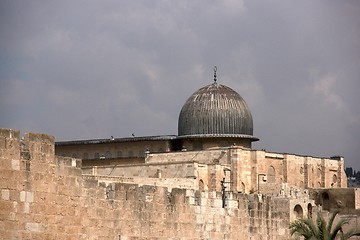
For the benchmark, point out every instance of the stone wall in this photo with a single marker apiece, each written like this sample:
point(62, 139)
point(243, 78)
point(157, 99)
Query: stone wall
point(193, 144)
point(154, 170)
point(245, 169)
point(112, 149)
point(203, 156)
point(300, 171)
point(248, 167)
point(40, 195)
point(332, 199)
point(47, 197)
point(169, 183)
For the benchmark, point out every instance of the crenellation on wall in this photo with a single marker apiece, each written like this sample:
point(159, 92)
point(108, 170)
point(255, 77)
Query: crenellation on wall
point(9, 133)
point(40, 200)
point(9, 150)
point(50, 197)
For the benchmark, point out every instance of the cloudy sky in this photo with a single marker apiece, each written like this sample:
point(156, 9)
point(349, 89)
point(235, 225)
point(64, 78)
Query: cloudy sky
point(92, 69)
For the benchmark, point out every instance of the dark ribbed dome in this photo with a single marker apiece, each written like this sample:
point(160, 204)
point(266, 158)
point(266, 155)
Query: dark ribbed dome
point(215, 110)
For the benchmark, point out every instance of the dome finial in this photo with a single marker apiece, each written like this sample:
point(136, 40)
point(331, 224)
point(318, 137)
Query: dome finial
point(215, 70)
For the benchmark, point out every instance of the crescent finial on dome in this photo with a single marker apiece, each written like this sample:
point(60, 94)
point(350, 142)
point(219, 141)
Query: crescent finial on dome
point(215, 70)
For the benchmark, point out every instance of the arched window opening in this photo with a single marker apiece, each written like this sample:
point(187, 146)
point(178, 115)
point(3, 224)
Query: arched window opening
point(334, 180)
point(86, 156)
point(108, 154)
point(119, 154)
point(96, 155)
point(325, 200)
point(201, 185)
point(309, 210)
point(75, 155)
point(298, 211)
point(271, 174)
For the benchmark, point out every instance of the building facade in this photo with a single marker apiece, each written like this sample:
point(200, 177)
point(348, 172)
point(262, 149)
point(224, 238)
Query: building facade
point(215, 132)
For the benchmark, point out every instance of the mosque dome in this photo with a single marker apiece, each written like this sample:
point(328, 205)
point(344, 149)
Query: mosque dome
point(215, 111)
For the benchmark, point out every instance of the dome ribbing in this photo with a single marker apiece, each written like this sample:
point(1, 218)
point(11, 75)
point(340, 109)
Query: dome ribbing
point(215, 110)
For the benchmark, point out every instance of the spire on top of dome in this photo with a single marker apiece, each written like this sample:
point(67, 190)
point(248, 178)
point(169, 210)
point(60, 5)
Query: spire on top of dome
point(215, 70)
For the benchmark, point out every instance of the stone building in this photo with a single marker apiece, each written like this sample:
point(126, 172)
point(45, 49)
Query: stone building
point(215, 132)
point(205, 183)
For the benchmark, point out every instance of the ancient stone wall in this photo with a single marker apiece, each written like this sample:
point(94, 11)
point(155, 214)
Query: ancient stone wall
point(40, 195)
point(301, 171)
point(246, 169)
point(112, 161)
point(170, 183)
point(204, 156)
point(112, 149)
point(154, 170)
point(342, 199)
point(47, 197)
point(241, 170)
point(209, 143)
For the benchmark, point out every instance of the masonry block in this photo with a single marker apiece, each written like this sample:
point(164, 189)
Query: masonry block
point(5, 194)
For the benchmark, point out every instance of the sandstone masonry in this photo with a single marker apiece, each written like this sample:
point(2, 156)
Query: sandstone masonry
point(43, 196)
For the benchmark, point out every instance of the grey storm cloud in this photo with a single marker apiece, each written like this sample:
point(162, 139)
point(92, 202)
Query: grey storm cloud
point(90, 69)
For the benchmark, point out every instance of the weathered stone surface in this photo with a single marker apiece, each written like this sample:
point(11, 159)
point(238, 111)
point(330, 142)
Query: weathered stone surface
point(51, 199)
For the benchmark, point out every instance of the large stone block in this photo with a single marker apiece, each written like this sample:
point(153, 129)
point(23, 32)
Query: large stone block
point(9, 133)
point(35, 227)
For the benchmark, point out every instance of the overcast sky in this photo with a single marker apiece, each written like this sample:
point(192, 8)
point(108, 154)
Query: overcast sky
point(92, 69)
